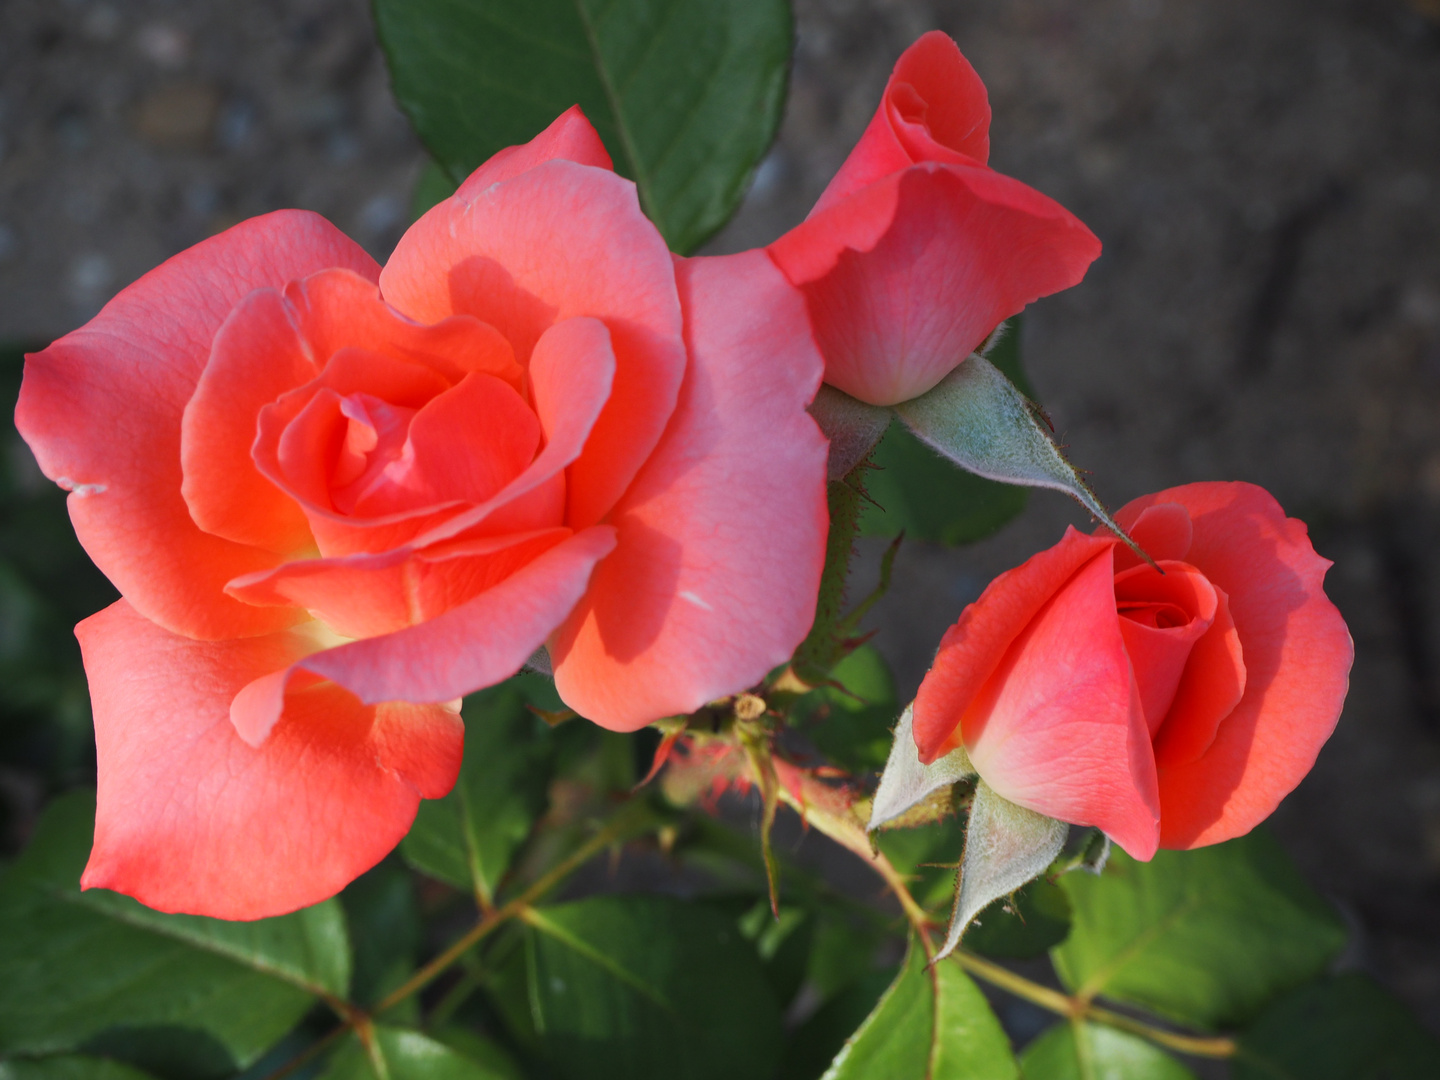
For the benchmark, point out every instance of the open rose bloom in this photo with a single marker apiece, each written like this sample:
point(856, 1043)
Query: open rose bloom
point(336, 498)
point(1171, 705)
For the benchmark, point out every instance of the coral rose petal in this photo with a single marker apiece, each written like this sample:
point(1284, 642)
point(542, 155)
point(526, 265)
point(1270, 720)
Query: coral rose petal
point(474, 439)
point(557, 242)
point(960, 248)
point(258, 355)
point(192, 818)
point(934, 109)
point(364, 595)
point(1058, 727)
point(571, 137)
point(476, 644)
point(1163, 531)
point(1297, 656)
point(1210, 687)
point(972, 648)
point(1163, 615)
point(337, 309)
point(572, 372)
point(102, 408)
point(722, 535)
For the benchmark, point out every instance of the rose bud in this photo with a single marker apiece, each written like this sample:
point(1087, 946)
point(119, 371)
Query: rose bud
point(1171, 705)
point(337, 498)
point(917, 250)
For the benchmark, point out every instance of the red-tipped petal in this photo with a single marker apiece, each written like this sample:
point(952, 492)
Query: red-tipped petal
point(972, 648)
point(1058, 727)
point(906, 277)
point(1212, 685)
point(477, 644)
point(364, 595)
point(1297, 656)
point(570, 137)
point(102, 410)
point(1162, 530)
point(192, 818)
point(257, 356)
point(557, 242)
point(722, 535)
point(934, 109)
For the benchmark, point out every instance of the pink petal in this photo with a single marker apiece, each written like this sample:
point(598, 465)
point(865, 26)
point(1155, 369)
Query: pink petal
point(570, 137)
point(1212, 684)
point(557, 242)
point(1185, 603)
point(257, 356)
point(907, 276)
point(971, 650)
point(1162, 530)
point(191, 818)
point(571, 373)
point(934, 109)
point(102, 409)
point(336, 309)
point(722, 535)
point(1297, 656)
point(1058, 726)
point(477, 644)
point(360, 596)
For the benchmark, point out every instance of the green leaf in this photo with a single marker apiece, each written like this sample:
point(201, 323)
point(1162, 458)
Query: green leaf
point(641, 987)
point(1080, 1051)
point(69, 1067)
point(978, 419)
point(811, 1046)
point(929, 856)
point(843, 953)
point(384, 921)
point(1006, 846)
point(782, 944)
point(73, 964)
point(915, 490)
point(1205, 937)
point(851, 726)
point(686, 94)
point(468, 838)
point(391, 1053)
point(920, 491)
point(932, 1024)
point(1038, 919)
point(1345, 1028)
point(168, 1052)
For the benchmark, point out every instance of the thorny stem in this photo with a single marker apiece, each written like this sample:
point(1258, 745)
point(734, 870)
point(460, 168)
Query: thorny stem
point(848, 833)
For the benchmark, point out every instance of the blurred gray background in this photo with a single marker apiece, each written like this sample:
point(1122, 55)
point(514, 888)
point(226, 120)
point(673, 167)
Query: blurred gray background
point(1265, 177)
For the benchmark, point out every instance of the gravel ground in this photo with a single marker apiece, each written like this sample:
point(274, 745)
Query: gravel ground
point(1265, 178)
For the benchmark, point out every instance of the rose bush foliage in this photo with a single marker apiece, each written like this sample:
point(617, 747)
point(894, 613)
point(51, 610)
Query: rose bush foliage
point(337, 497)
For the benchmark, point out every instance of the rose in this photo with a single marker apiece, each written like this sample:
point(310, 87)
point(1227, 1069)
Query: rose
point(916, 250)
point(1170, 709)
point(333, 508)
